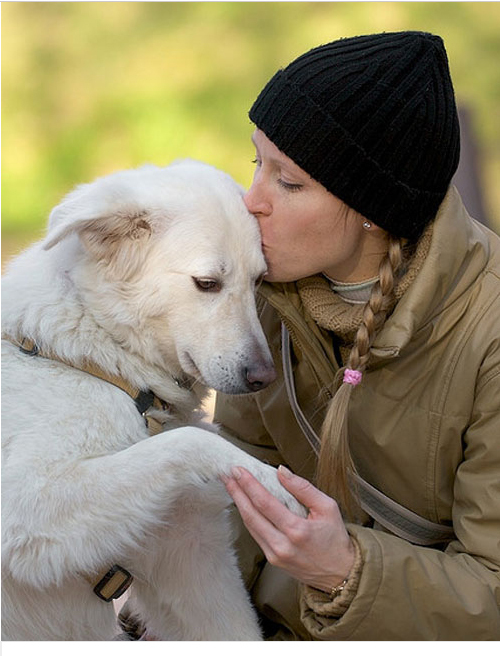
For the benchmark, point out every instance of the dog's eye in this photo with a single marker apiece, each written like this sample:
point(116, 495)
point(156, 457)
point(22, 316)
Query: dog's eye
point(207, 284)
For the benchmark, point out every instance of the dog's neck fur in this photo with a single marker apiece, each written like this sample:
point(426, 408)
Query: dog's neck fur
point(77, 337)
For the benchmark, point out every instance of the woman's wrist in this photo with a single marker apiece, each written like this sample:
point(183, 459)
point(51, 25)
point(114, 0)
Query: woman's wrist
point(330, 583)
point(321, 602)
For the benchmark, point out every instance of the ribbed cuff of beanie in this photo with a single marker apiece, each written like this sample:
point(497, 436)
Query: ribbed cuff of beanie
point(321, 604)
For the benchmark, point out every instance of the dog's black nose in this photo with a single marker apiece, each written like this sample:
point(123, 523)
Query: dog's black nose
point(259, 376)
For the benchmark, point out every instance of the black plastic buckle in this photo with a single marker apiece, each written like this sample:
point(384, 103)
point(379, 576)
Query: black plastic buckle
point(113, 584)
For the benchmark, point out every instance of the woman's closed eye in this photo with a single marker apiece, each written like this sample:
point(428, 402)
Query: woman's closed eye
point(289, 186)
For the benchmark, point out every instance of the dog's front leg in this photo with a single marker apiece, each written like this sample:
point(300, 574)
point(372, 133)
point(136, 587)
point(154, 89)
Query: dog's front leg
point(187, 583)
point(152, 509)
point(190, 587)
point(114, 507)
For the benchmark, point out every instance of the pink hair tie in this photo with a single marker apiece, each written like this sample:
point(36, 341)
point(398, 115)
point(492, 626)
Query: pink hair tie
point(352, 376)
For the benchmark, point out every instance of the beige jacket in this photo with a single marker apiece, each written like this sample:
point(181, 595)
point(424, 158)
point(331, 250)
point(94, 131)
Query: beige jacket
point(424, 430)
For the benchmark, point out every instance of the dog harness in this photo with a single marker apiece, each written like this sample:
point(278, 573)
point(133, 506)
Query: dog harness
point(144, 400)
point(116, 580)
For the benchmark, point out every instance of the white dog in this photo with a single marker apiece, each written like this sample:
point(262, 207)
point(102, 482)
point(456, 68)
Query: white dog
point(144, 284)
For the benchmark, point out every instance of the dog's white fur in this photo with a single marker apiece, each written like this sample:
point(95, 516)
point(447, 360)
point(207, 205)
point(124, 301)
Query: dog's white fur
point(84, 486)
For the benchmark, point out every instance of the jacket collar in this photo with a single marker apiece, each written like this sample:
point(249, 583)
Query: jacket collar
point(457, 255)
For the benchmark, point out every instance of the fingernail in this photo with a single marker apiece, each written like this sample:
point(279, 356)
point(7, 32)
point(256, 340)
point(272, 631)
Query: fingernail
point(286, 472)
point(235, 473)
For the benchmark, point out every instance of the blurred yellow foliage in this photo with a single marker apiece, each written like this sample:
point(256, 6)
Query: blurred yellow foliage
point(92, 87)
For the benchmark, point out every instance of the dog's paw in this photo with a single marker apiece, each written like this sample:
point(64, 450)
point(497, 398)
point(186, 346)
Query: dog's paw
point(268, 476)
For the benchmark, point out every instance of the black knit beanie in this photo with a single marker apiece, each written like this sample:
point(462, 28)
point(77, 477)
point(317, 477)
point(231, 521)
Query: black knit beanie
point(373, 119)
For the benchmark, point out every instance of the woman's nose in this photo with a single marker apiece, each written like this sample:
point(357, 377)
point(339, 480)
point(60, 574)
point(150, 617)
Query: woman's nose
point(255, 200)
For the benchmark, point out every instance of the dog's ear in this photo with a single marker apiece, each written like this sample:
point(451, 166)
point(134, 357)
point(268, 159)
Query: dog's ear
point(112, 226)
point(103, 234)
point(97, 226)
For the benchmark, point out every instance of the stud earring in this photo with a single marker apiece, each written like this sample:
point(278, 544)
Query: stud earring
point(367, 225)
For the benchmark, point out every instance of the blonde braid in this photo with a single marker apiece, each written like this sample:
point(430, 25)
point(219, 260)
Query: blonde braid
point(335, 461)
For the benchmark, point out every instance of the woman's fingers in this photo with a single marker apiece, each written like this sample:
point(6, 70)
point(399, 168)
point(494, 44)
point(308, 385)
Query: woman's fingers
point(317, 502)
point(263, 501)
point(260, 527)
point(316, 550)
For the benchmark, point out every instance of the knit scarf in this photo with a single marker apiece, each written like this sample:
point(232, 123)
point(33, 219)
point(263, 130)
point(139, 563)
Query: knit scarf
point(333, 313)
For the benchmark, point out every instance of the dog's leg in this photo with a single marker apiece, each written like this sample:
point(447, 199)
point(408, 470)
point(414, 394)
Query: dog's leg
point(114, 504)
point(188, 586)
point(201, 595)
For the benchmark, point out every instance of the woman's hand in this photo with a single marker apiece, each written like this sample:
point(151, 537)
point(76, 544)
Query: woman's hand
point(316, 550)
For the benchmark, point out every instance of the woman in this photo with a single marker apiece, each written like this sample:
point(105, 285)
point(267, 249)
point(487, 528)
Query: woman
point(382, 307)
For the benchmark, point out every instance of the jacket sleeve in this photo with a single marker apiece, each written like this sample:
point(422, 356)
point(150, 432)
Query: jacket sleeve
point(417, 593)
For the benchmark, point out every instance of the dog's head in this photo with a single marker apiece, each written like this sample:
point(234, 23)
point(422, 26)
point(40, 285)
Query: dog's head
point(167, 260)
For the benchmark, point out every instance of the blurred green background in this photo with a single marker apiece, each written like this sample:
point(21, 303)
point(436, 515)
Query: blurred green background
point(91, 87)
